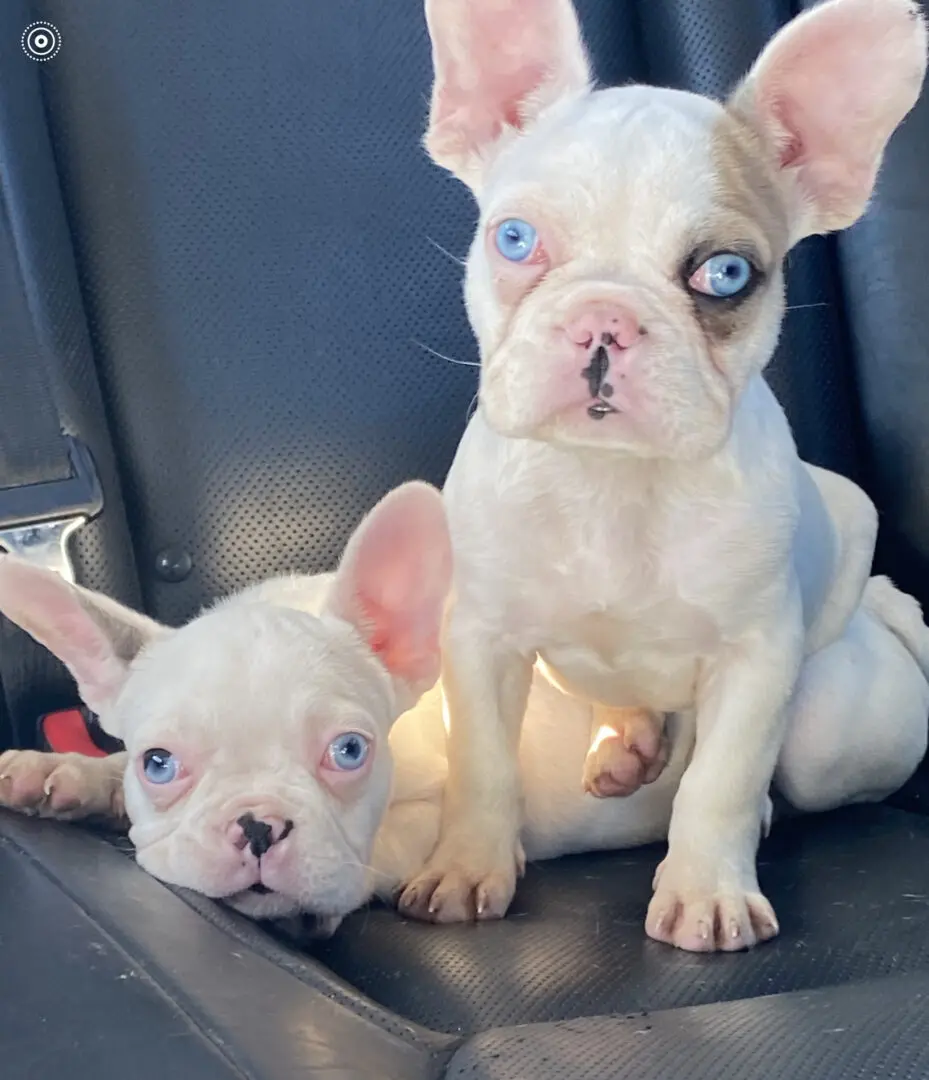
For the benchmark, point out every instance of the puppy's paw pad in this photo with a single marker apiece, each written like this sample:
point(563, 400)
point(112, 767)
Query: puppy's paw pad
point(619, 764)
point(719, 922)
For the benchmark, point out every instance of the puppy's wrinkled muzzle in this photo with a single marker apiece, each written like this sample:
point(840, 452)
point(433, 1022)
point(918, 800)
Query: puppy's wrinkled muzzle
point(611, 325)
point(597, 357)
point(603, 332)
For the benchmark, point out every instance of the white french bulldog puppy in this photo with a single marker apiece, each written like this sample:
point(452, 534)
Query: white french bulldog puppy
point(627, 505)
point(256, 766)
point(258, 769)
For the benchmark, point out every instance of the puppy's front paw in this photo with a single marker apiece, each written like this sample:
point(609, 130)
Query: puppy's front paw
point(462, 882)
point(629, 749)
point(63, 786)
point(707, 916)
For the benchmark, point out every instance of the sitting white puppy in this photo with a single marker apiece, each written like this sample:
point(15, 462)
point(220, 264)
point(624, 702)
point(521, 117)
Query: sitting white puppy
point(258, 768)
point(627, 505)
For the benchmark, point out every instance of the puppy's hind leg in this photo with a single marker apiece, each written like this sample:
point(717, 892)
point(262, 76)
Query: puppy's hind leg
point(628, 749)
point(69, 787)
point(858, 729)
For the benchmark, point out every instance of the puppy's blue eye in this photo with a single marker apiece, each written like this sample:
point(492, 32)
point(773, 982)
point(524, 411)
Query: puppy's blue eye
point(160, 766)
point(515, 239)
point(726, 274)
point(349, 751)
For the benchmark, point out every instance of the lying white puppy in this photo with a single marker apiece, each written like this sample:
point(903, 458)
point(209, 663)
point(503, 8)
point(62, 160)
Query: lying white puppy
point(256, 765)
point(628, 504)
point(258, 768)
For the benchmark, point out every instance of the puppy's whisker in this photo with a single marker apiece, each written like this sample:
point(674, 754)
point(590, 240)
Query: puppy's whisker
point(445, 251)
point(338, 827)
point(342, 861)
point(804, 307)
point(442, 356)
point(373, 870)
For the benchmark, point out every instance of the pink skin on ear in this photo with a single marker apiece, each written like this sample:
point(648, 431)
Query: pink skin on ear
point(49, 609)
point(497, 64)
point(828, 93)
point(394, 580)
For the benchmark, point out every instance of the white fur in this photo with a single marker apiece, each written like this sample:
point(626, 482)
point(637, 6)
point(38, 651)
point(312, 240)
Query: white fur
point(677, 555)
point(677, 558)
point(238, 683)
point(247, 699)
point(247, 695)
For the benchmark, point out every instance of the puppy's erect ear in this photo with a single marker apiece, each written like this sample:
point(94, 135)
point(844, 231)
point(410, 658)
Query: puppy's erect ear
point(498, 64)
point(826, 95)
point(393, 582)
point(93, 636)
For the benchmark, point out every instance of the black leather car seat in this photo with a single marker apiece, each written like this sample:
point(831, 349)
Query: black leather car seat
point(241, 272)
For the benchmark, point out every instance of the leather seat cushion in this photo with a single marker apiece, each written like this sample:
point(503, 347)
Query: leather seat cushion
point(851, 890)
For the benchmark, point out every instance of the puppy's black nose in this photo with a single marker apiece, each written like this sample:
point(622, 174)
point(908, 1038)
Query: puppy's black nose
point(259, 835)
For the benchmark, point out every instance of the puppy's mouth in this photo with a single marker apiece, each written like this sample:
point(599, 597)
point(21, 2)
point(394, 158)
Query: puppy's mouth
point(600, 408)
point(258, 889)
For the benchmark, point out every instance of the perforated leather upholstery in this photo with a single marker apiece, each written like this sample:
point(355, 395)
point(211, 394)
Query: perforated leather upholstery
point(249, 268)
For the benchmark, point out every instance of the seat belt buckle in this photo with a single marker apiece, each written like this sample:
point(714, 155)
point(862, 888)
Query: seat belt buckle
point(38, 520)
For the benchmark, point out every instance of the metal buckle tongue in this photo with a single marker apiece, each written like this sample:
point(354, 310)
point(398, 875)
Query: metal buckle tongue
point(38, 520)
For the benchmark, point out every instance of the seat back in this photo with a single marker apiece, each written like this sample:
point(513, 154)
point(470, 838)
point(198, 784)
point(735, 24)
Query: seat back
point(269, 271)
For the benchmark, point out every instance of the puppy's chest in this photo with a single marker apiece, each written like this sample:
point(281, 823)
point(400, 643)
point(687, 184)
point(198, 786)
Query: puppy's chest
point(633, 624)
point(617, 618)
point(623, 574)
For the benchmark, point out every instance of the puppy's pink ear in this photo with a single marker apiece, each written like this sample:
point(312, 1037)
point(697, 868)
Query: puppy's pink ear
point(93, 636)
point(498, 64)
point(394, 580)
point(826, 95)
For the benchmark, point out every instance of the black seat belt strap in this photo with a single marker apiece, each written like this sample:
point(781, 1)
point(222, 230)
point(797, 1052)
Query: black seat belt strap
point(48, 483)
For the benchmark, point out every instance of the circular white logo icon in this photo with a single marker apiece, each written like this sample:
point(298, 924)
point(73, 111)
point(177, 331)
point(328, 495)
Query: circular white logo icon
point(41, 41)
